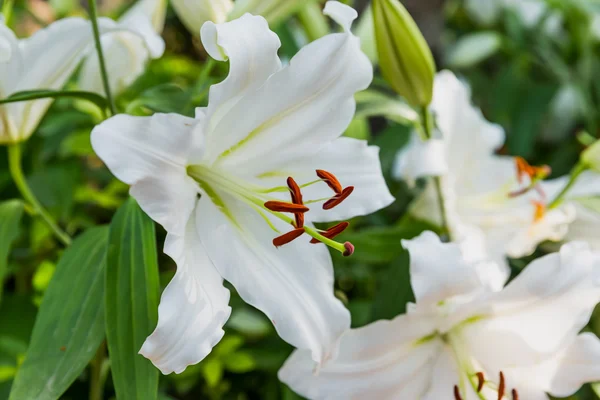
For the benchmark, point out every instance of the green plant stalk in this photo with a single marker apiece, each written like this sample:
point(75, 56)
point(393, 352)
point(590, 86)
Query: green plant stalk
point(575, 173)
point(94, 19)
point(7, 7)
point(16, 171)
point(426, 123)
point(97, 367)
point(313, 21)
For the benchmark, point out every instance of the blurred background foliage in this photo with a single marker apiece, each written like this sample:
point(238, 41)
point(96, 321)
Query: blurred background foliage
point(538, 77)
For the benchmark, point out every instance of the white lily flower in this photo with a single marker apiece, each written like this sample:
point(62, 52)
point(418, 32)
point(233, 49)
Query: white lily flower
point(6, 41)
point(127, 52)
point(484, 213)
point(194, 13)
point(520, 342)
point(263, 123)
point(45, 60)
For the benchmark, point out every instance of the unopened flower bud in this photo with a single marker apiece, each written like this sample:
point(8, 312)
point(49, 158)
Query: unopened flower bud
point(591, 156)
point(404, 56)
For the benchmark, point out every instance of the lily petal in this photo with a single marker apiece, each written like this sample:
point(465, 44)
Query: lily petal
point(543, 308)
point(315, 104)
point(420, 159)
point(194, 13)
point(354, 163)
point(383, 360)
point(151, 154)
point(292, 284)
point(438, 270)
point(8, 42)
point(251, 49)
point(193, 307)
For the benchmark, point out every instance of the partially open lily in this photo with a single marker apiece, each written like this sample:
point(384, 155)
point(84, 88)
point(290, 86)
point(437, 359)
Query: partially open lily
point(463, 340)
point(126, 53)
point(45, 60)
point(495, 205)
point(266, 158)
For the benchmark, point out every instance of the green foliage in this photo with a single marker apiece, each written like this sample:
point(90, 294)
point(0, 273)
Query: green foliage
point(10, 217)
point(70, 324)
point(131, 301)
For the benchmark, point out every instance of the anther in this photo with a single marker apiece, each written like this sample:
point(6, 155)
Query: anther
point(457, 395)
point(296, 199)
point(337, 199)
point(501, 386)
point(349, 249)
point(480, 381)
point(332, 232)
point(534, 173)
point(515, 394)
point(282, 206)
point(330, 180)
point(288, 237)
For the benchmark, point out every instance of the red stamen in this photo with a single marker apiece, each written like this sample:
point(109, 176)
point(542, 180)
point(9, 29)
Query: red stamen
point(282, 206)
point(501, 386)
point(336, 200)
point(525, 169)
point(332, 232)
point(288, 237)
point(349, 249)
point(457, 395)
point(515, 395)
point(296, 199)
point(480, 381)
point(330, 180)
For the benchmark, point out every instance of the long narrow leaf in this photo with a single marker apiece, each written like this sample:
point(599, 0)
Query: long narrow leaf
point(28, 95)
point(11, 212)
point(132, 288)
point(70, 324)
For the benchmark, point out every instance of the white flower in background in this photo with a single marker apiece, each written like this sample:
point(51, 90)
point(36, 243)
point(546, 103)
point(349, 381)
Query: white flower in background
point(484, 210)
point(530, 12)
point(45, 60)
point(194, 13)
point(520, 342)
point(126, 53)
point(263, 124)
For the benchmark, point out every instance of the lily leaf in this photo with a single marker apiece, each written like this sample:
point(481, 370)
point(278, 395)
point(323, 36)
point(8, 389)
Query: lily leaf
point(11, 212)
point(28, 95)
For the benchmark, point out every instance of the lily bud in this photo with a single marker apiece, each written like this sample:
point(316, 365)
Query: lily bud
point(194, 13)
point(591, 156)
point(404, 56)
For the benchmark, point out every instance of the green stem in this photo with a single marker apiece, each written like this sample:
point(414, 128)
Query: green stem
point(579, 168)
point(97, 381)
point(426, 123)
point(94, 19)
point(7, 7)
point(16, 171)
point(313, 21)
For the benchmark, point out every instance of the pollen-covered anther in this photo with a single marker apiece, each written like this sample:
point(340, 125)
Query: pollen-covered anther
point(288, 237)
point(480, 381)
point(337, 199)
point(332, 232)
point(282, 206)
point(330, 180)
point(296, 195)
point(533, 172)
point(515, 394)
point(457, 395)
point(501, 386)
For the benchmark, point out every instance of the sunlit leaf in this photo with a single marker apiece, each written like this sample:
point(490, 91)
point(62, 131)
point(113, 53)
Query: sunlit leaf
point(11, 212)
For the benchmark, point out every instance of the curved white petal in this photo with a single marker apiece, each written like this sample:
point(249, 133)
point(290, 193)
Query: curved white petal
point(383, 360)
point(292, 284)
point(354, 163)
point(543, 308)
point(298, 110)
point(444, 375)
point(193, 307)
point(154, 10)
point(141, 25)
point(585, 227)
point(340, 13)
point(438, 270)
point(7, 42)
point(194, 13)
point(419, 159)
point(251, 49)
point(151, 154)
point(11, 64)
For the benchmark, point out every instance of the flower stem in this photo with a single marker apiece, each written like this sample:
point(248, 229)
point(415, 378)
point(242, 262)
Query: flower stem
point(94, 19)
point(577, 170)
point(97, 373)
point(16, 171)
point(7, 7)
point(426, 123)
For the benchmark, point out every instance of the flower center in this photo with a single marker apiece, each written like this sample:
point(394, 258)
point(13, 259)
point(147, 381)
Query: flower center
point(262, 201)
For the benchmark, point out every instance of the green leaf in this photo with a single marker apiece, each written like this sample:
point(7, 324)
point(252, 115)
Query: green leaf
point(393, 289)
point(132, 288)
point(70, 324)
point(474, 48)
point(239, 362)
point(28, 95)
point(164, 98)
point(212, 370)
point(11, 212)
